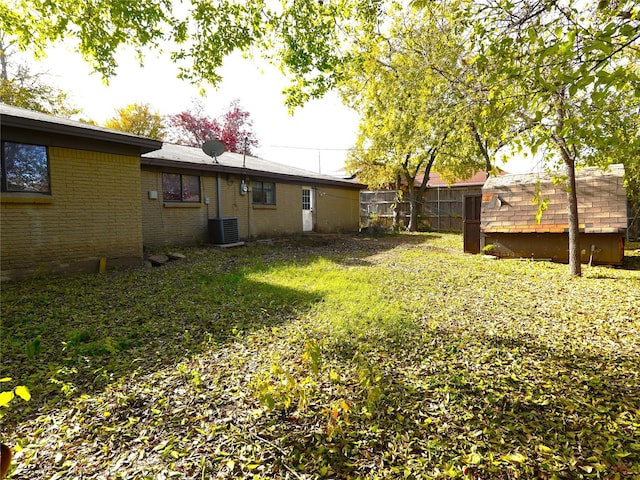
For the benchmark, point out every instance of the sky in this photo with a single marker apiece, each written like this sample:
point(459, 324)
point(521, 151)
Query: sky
point(316, 137)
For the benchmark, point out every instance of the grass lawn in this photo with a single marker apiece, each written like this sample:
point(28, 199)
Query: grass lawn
point(336, 357)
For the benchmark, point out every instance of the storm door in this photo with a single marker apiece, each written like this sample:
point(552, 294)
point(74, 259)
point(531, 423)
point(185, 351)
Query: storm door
point(307, 209)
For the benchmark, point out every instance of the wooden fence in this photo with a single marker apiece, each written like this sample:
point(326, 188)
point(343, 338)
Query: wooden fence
point(441, 207)
point(633, 222)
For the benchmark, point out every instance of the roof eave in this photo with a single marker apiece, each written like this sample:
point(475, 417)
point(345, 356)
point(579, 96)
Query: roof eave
point(444, 185)
point(145, 145)
point(219, 168)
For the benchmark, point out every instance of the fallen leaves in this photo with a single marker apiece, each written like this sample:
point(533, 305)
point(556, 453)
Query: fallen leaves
point(363, 358)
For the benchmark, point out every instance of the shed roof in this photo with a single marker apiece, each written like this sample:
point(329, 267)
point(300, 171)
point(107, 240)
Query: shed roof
point(193, 158)
point(35, 121)
point(508, 207)
point(477, 179)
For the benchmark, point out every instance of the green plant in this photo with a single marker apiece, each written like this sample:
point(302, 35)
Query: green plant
point(7, 396)
point(59, 377)
point(489, 249)
point(33, 348)
point(284, 385)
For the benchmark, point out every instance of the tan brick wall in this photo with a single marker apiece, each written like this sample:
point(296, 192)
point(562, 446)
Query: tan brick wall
point(337, 209)
point(234, 204)
point(284, 218)
point(334, 209)
point(93, 211)
point(187, 224)
point(167, 223)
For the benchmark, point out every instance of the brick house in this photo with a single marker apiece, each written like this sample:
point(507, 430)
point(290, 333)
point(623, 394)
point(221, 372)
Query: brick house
point(263, 198)
point(70, 195)
point(508, 216)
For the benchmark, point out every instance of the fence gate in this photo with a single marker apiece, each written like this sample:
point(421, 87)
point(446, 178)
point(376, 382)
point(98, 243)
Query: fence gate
point(471, 223)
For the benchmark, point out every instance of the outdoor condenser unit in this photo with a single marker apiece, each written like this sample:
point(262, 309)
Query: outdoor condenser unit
point(223, 230)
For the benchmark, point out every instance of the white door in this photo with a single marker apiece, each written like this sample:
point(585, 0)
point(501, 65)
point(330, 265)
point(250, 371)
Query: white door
point(307, 209)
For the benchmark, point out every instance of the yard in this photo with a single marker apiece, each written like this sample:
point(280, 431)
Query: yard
point(337, 357)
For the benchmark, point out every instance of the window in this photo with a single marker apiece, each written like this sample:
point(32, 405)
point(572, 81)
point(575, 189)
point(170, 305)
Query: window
point(306, 199)
point(25, 168)
point(264, 193)
point(180, 188)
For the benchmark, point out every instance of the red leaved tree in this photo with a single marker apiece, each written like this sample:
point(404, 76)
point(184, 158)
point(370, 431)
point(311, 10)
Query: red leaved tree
point(193, 127)
point(237, 128)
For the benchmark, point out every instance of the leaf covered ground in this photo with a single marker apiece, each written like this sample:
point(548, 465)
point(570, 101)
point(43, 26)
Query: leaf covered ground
point(327, 357)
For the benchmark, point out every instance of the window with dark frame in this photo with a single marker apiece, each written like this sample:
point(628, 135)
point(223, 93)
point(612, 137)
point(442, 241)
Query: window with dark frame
point(263, 193)
point(25, 168)
point(180, 188)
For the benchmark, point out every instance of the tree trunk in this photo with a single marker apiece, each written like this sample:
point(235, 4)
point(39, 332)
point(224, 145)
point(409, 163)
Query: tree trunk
point(418, 195)
point(574, 227)
point(3, 62)
point(414, 208)
point(397, 209)
point(569, 160)
point(483, 149)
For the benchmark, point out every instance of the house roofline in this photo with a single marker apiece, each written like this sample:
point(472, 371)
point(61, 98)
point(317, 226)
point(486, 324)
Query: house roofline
point(29, 120)
point(218, 168)
point(456, 185)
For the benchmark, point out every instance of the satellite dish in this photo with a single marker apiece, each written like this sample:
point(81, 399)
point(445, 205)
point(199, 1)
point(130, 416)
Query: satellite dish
point(213, 148)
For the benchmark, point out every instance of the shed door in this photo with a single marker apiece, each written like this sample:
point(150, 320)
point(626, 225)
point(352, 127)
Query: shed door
point(307, 209)
point(471, 223)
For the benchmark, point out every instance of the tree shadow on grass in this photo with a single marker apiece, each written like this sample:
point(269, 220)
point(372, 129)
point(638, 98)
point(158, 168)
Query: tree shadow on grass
point(563, 411)
point(353, 251)
point(631, 262)
point(64, 337)
point(74, 337)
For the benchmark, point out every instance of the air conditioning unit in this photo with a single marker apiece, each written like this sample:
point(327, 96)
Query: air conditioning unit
point(223, 230)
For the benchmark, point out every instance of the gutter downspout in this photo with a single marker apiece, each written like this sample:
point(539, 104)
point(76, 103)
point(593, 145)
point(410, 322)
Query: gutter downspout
point(248, 193)
point(249, 219)
point(218, 195)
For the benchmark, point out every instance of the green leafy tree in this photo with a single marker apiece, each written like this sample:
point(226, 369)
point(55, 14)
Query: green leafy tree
point(571, 72)
point(138, 119)
point(630, 126)
point(408, 83)
point(21, 87)
point(300, 36)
